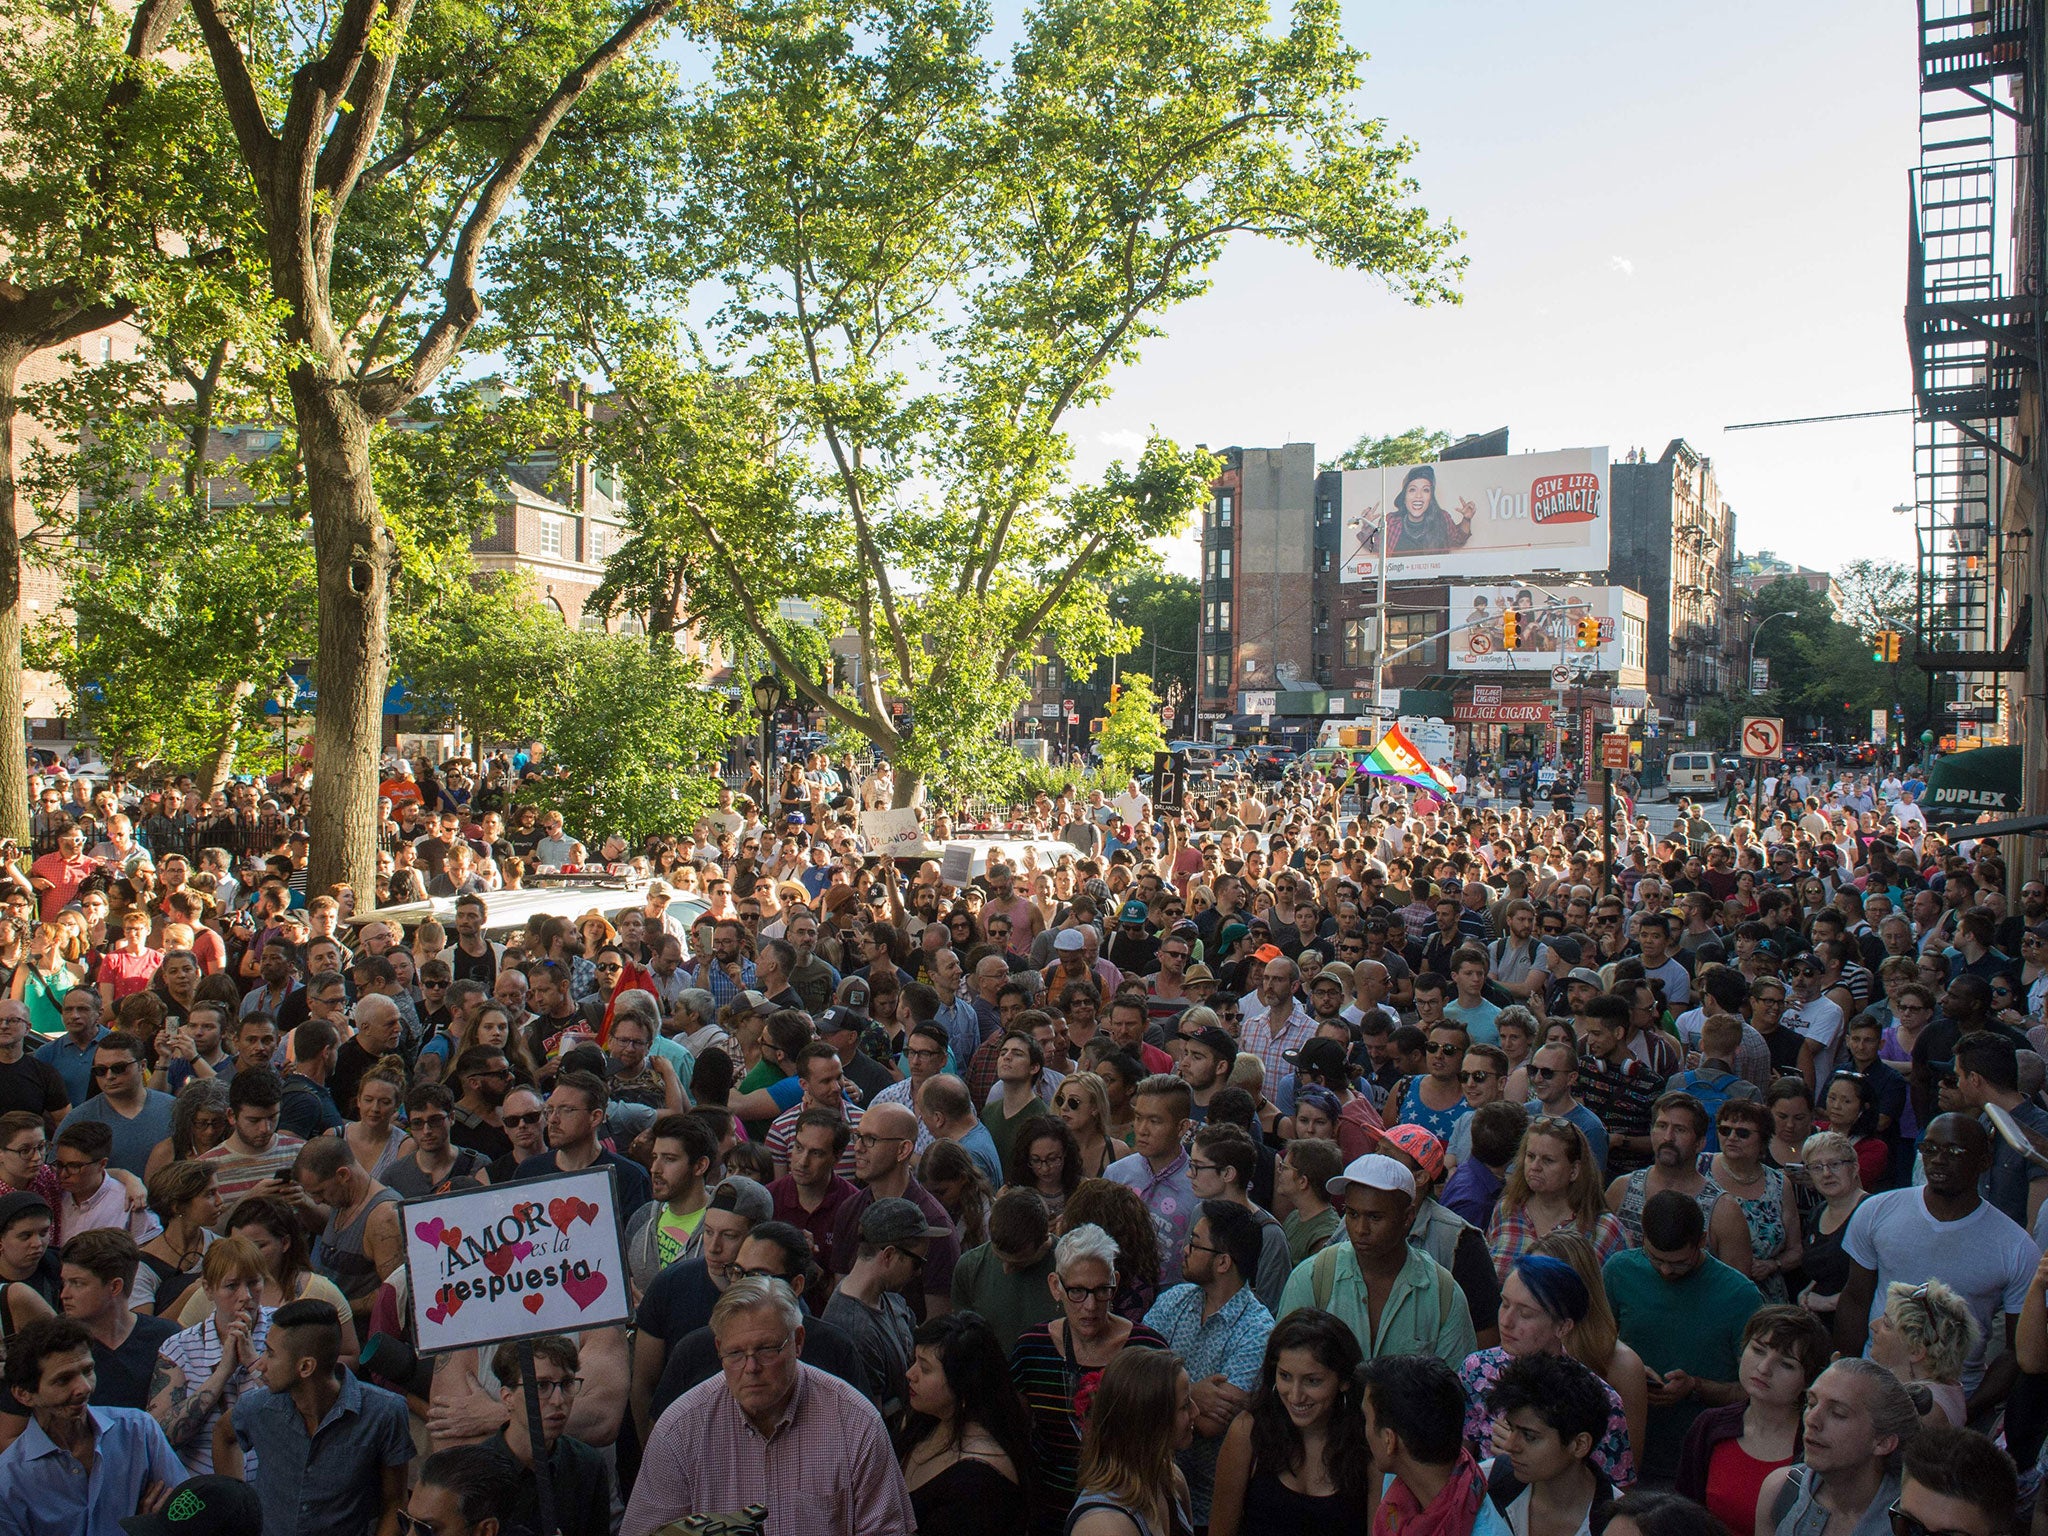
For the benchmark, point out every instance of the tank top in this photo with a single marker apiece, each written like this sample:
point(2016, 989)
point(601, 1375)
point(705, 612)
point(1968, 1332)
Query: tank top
point(1271, 1508)
point(1634, 1194)
point(341, 1257)
point(1438, 1122)
point(1088, 1501)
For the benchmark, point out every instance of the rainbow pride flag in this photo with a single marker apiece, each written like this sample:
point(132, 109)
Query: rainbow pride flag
point(1396, 757)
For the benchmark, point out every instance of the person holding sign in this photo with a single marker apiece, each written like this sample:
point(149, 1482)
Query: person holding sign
point(582, 1481)
point(770, 1430)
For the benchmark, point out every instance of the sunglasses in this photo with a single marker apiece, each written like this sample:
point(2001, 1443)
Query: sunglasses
point(1477, 1077)
point(519, 1122)
point(1904, 1524)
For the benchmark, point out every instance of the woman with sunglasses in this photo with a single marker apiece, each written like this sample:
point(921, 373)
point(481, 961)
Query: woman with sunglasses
point(1057, 1366)
point(1765, 1194)
point(1082, 1104)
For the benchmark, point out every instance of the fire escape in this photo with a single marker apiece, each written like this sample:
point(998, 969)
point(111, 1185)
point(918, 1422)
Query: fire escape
point(1974, 325)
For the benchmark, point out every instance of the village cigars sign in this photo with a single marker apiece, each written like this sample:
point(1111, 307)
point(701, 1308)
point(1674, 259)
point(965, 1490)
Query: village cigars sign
point(509, 1261)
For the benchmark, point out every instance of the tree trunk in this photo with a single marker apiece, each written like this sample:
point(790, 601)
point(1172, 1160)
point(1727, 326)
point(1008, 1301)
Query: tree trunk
point(13, 725)
point(223, 763)
point(908, 789)
point(353, 557)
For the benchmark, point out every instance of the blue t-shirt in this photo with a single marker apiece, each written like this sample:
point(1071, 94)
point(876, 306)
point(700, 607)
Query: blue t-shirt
point(981, 1146)
point(1477, 1019)
point(1585, 1120)
point(134, 1139)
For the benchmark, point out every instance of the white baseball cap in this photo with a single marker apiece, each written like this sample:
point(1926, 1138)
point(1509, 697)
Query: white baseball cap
point(1375, 1170)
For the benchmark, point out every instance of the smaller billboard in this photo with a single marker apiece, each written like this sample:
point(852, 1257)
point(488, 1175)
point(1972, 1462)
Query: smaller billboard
point(1548, 620)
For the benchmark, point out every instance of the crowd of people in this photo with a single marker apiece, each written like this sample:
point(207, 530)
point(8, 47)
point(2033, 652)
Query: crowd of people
point(1313, 1157)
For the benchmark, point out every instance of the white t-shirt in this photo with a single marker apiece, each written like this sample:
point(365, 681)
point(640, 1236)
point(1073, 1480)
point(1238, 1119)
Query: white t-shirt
point(1987, 1257)
point(1821, 1022)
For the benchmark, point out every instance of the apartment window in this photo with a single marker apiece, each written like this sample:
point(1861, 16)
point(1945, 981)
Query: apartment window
point(1323, 559)
point(1225, 505)
point(1223, 614)
point(597, 541)
point(106, 349)
point(1223, 563)
point(550, 534)
point(1325, 510)
point(1406, 629)
point(1357, 642)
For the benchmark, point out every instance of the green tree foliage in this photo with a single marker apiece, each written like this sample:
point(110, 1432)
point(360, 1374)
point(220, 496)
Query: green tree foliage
point(1130, 731)
point(490, 655)
point(1879, 595)
point(910, 265)
point(1161, 612)
point(635, 738)
point(1822, 674)
point(1418, 445)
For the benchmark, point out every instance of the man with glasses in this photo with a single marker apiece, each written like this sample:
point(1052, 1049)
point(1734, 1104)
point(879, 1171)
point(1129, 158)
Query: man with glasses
point(867, 1304)
point(925, 1050)
point(575, 1110)
point(27, 1083)
point(1553, 1075)
point(582, 1479)
point(680, 1298)
point(483, 1076)
point(882, 1154)
point(1957, 1483)
point(771, 1430)
point(138, 1116)
point(1815, 1017)
point(92, 1197)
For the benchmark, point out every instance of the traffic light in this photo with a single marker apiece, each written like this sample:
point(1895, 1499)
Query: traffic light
point(1116, 691)
point(1886, 647)
point(1589, 633)
point(1511, 630)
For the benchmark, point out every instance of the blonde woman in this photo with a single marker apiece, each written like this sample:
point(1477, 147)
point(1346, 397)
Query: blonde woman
point(203, 1369)
point(43, 977)
point(1924, 1335)
point(1552, 1186)
point(375, 1136)
point(1595, 1340)
point(1082, 1103)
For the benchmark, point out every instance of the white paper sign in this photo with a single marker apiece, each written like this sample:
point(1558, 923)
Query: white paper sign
point(508, 1261)
point(957, 868)
point(889, 830)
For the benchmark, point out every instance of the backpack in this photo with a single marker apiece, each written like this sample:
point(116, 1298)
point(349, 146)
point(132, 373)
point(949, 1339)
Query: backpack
point(1712, 1090)
point(1323, 1283)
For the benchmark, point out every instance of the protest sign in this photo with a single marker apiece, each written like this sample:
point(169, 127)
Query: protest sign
point(957, 868)
point(508, 1261)
point(891, 832)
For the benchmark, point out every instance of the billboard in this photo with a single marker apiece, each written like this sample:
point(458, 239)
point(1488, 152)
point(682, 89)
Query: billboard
point(1507, 516)
point(1548, 618)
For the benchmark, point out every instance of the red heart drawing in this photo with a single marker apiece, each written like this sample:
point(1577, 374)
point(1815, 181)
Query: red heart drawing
point(452, 1237)
point(505, 1255)
point(436, 1315)
point(450, 1298)
point(533, 1304)
point(428, 1231)
point(585, 1290)
point(565, 1213)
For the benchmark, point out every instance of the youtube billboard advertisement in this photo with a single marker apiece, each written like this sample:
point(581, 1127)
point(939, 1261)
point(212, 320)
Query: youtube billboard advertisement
point(1513, 515)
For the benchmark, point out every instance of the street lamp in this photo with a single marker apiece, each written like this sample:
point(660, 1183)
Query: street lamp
point(768, 701)
point(1749, 681)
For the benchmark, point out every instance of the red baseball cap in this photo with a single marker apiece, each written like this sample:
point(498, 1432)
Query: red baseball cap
point(1419, 1144)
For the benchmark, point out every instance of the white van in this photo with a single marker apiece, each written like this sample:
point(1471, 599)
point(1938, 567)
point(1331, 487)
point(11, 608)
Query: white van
point(1696, 773)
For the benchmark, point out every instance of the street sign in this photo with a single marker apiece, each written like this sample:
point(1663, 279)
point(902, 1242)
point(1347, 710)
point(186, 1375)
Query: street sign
point(1984, 693)
point(1763, 737)
point(1880, 724)
point(1486, 695)
point(1614, 752)
point(1559, 715)
point(1560, 677)
point(1980, 714)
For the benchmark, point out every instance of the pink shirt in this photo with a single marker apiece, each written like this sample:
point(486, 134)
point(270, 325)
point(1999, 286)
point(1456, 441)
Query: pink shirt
point(826, 1467)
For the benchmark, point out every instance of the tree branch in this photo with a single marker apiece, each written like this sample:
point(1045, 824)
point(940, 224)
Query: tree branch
point(1054, 596)
point(389, 390)
point(238, 93)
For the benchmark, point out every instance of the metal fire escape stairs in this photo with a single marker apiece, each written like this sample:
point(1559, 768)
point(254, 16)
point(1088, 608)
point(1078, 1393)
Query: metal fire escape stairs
point(1974, 324)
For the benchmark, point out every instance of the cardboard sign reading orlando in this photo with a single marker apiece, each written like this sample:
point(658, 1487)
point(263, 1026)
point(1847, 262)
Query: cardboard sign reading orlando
point(506, 1261)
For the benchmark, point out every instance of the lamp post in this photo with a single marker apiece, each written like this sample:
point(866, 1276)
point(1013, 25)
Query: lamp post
point(768, 700)
point(1749, 685)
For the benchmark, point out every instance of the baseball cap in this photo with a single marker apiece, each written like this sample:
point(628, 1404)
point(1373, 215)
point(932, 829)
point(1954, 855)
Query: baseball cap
point(1269, 953)
point(659, 887)
point(1068, 941)
point(1376, 922)
point(1336, 971)
point(835, 1019)
point(796, 819)
point(211, 1505)
point(1218, 1043)
point(1133, 912)
point(1228, 935)
point(743, 1197)
point(1420, 1145)
point(854, 994)
point(754, 1002)
point(1588, 975)
point(1375, 1170)
point(1323, 1057)
point(893, 1221)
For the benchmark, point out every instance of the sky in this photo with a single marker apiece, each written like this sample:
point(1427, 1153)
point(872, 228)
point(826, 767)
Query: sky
point(1677, 218)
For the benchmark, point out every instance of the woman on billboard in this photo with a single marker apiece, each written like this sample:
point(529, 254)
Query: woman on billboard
point(1422, 526)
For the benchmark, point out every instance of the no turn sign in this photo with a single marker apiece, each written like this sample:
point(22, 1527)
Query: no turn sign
point(1763, 737)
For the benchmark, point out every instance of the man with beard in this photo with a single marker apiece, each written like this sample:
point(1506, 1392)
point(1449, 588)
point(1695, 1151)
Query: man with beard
point(1678, 1128)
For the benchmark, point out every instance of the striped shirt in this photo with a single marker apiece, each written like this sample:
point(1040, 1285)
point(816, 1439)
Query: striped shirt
point(196, 1351)
point(1038, 1368)
point(825, 1466)
point(236, 1173)
point(783, 1133)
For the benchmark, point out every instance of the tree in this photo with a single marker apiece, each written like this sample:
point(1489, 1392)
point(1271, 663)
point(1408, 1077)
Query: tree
point(1130, 731)
point(635, 740)
point(1417, 445)
point(1878, 595)
point(914, 264)
point(490, 655)
point(1821, 670)
point(384, 140)
point(110, 192)
point(1163, 611)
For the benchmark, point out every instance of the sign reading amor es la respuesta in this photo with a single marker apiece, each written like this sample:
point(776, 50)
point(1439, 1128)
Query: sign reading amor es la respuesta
point(506, 1261)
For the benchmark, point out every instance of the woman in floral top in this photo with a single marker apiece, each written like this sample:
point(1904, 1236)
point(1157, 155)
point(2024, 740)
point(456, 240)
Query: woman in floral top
point(1541, 1302)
